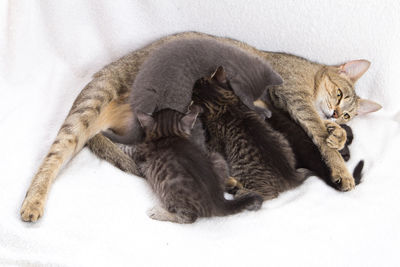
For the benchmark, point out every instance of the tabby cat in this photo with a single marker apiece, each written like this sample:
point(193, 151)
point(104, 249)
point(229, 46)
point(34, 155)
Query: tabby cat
point(104, 104)
point(189, 183)
point(259, 157)
point(306, 152)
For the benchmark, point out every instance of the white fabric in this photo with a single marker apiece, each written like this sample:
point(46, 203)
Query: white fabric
point(95, 214)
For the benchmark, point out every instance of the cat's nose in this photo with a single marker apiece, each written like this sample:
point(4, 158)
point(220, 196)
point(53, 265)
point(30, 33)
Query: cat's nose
point(335, 114)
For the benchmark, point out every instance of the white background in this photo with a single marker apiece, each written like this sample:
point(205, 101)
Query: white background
point(96, 214)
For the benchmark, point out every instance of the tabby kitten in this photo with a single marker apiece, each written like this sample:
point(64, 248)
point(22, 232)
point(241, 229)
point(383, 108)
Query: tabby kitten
point(189, 183)
point(259, 157)
point(306, 152)
point(104, 104)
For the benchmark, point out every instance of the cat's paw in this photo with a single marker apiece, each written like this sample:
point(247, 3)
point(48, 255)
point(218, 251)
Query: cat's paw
point(343, 182)
point(337, 135)
point(32, 208)
point(257, 202)
point(232, 185)
point(160, 214)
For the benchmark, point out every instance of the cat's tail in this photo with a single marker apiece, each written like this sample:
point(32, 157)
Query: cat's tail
point(357, 173)
point(248, 201)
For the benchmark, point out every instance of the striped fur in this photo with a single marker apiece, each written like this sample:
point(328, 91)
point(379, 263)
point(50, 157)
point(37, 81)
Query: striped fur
point(102, 104)
point(260, 158)
point(189, 182)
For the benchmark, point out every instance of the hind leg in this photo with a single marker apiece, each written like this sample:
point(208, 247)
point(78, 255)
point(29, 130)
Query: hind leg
point(120, 157)
point(220, 165)
point(266, 191)
point(230, 184)
point(91, 112)
point(181, 216)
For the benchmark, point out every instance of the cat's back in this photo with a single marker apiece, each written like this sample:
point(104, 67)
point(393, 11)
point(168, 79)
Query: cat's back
point(251, 133)
point(177, 165)
point(166, 78)
point(181, 155)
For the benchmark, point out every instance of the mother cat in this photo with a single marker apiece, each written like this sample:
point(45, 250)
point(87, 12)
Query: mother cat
point(313, 94)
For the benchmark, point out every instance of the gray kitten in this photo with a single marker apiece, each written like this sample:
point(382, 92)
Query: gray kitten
point(166, 78)
point(188, 181)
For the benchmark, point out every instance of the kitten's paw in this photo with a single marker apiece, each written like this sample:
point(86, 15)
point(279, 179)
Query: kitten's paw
point(32, 209)
point(337, 135)
point(343, 182)
point(232, 185)
point(158, 213)
point(257, 202)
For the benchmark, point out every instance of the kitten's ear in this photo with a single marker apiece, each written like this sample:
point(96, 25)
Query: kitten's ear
point(367, 106)
point(145, 120)
point(354, 69)
point(219, 75)
point(189, 119)
point(274, 78)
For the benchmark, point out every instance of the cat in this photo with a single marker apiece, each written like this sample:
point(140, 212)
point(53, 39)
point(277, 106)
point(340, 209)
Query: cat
point(259, 157)
point(179, 63)
point(104, 104)
point(319, 102)
point(188, 181)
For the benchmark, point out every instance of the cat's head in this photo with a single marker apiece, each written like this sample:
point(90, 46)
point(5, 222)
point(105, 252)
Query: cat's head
point(214, 94)
point(335, 96)
point(168, 123)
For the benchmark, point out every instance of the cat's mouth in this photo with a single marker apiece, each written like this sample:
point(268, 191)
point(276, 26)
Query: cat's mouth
point(326, 114)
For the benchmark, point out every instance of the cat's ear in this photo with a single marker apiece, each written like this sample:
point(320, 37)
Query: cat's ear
point(219, 75)
point(354, 69)
point(145, 120)
point(189, 119)
point(367, 106)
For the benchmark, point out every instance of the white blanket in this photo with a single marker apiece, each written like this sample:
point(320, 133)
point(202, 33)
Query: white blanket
point(95, 214)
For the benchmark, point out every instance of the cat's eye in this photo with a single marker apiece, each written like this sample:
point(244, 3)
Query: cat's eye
point(346, 116)
point(339, 94)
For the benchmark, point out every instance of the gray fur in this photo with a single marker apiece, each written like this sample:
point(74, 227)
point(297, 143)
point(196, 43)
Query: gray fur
point(188, 181)
point(166, 78)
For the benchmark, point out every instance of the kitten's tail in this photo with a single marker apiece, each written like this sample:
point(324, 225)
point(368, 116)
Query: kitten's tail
point(357, 173)
point(248, 201)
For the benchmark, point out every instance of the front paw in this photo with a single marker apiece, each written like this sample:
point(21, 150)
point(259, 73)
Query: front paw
point(343, 182)
point(32, 209)
point(337, 135)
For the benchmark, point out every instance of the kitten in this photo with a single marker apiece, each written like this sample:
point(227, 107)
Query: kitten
point(178, 64)
point(189, 183)
point(104, 104)
point(259, 157)
point(306, 152)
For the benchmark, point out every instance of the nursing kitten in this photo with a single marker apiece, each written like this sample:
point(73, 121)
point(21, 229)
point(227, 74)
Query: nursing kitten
point(104, 104)
point(259, 157)
point(188, 182)
point(166, 78)
point(306, 152)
